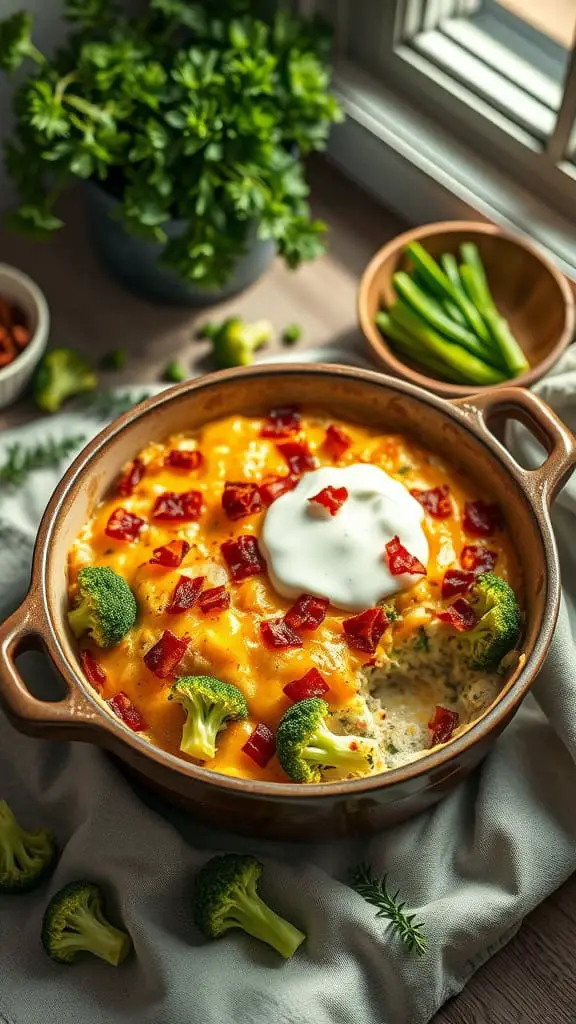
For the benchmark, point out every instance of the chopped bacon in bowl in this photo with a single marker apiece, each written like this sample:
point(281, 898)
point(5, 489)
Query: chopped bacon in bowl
point(124, 709)
point(481, 518)
point(185, 506)
point(312, 684)
point(436, 501)
point(477, 558)
point(185, 594)
point(456, 581)
point(298, 456)
point(214, 600)
point(166, 654)
point(459, 615)
point(281, 423)
point(123, 525)
point(241, 499)
point(330, 498)
point(243, 557)
point(308, 612)
point(170, 555)
point(364, 631)
point(336, 442)
point(184, 458)
point(272, 487)
point(94, 672)
point(130, 478)
point(400, 560)
point(277, 633)
point(261, 745)
point(442, 725)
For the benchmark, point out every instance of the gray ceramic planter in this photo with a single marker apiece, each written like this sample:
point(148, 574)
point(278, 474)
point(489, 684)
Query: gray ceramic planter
point(135, 261)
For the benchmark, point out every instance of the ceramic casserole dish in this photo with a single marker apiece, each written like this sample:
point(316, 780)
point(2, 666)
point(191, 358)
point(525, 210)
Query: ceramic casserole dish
point(270, 809)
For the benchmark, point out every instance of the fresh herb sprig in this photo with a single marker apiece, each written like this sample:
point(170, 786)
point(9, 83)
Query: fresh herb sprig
point(22, 460)
point(108, 405)
point(202, 112)
point(375, 891)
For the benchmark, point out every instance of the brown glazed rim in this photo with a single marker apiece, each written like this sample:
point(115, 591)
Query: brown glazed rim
point(82, 709)
point(390, 362)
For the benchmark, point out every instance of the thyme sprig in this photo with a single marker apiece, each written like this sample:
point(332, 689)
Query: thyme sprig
point(108, 405)
point(21, 460)
point(375, 891)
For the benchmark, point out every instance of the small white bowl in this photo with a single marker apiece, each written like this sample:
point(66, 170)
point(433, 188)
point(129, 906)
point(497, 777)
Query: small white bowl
point(21, 290)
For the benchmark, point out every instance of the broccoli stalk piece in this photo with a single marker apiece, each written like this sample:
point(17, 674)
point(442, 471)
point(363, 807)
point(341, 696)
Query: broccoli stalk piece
point(225, 896)
point(74, 922)
point(305, 745)
point(498, 621)
point(106, 607)
point(234, 342)
point(61, 374)
point(209, 704)
point(26, 858)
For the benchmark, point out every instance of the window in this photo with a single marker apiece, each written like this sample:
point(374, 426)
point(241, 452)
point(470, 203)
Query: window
point(462, 105)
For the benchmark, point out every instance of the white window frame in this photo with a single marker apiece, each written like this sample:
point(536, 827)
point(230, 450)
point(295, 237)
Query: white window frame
point(433, 139)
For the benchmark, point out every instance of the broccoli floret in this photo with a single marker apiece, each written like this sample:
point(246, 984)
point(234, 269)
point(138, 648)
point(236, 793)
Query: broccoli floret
point(209, 704)
point(174, 372)
point(291, 334)
point(498, 621)
point(74, 922)
point(305, 745)
point(225, 896)
point(106, 606)
point(25, 857)
point(114, 360)
point(60, 374)
point(235, 342)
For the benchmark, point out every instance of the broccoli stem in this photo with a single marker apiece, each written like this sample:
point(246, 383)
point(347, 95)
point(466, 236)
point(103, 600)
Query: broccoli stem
point(450, 268)
point(201, 729)
point(259, 920)
point(475, 370)
point(473, 261)
point(332, 751)
point(85, 932)
point(80, 619)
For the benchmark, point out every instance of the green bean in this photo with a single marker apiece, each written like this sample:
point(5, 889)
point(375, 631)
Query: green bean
point(442, 286)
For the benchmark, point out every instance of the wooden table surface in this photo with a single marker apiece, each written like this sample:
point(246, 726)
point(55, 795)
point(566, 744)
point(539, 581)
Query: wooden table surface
point(533, 980)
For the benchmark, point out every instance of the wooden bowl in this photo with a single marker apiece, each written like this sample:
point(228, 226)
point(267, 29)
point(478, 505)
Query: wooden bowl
point(290, 810)
point(528, 289)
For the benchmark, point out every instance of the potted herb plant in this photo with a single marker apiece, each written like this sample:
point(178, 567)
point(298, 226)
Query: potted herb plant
point(189, 125)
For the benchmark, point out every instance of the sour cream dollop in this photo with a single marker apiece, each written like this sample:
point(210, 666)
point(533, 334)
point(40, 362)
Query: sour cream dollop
point(343, 557)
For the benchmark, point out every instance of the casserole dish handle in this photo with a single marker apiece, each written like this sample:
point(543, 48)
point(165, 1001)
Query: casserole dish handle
point(559, 442)
point(25, 631)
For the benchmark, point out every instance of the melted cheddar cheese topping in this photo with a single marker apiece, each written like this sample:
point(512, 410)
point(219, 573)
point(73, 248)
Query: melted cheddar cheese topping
point(228, 644)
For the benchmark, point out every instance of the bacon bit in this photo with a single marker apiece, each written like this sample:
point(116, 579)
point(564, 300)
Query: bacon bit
point(216, 599)
point(456, 581)
point(459, 615)
point(130, 479)
point(336, 442)
point(21, 335)
point(364, 631)
point(401, 561)
point(278, 634)
point(261, 745)
point(123, 525)
point(481, 518)
point(94, 672)
point(442, 724)
point(308, 612)
point(310, 685)
point(185, 594)
point(241, 499)
point(281, 423)
point(298, 456)
point(436, 501)
point(170, 555)
point(243, 557)
point(353, 745)
point(330, 498)
point(123, 707)
point(184, 458)
point(165, 655)
point(185, 506)
point(478, 558)
point(273, 486)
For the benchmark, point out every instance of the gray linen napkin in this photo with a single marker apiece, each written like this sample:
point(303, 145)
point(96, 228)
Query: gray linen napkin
point(472, 868)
